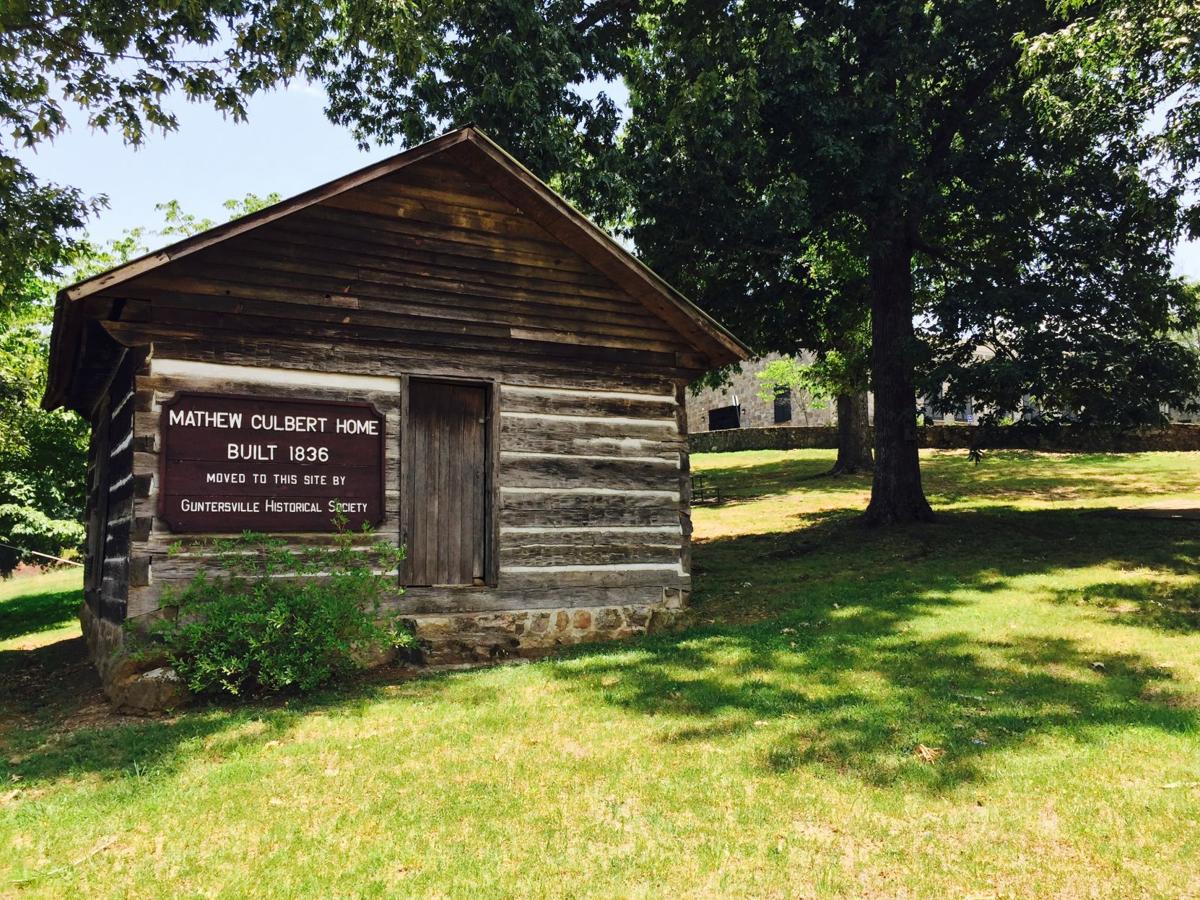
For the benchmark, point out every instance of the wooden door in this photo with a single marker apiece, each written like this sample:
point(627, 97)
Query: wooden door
point(445, 483)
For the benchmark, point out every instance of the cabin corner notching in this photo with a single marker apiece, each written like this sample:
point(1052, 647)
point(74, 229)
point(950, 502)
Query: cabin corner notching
point(438, 345)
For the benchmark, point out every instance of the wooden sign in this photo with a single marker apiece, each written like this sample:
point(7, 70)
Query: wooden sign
point(233, 463)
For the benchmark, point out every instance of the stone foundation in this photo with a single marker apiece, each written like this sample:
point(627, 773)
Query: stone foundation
point(142, 685)
point(132, 685)
point(105, 641)
point(480, 638)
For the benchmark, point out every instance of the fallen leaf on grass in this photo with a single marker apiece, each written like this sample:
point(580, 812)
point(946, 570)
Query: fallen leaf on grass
point(928, 754)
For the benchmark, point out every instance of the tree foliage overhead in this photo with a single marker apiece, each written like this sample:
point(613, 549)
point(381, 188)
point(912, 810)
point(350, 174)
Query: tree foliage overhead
point(43, 454)
point(528, 72)
point(120, 61)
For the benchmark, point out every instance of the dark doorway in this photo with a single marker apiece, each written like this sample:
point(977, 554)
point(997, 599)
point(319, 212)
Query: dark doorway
point(445, 483)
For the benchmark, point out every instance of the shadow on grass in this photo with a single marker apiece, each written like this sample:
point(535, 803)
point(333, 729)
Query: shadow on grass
point(1169, 606)
point(765, 479)
point(32, 613)
point(950, 476)
point(55, 722)
point(837, 654)
point(819, 636)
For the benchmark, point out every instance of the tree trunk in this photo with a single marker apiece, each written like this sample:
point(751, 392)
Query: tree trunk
point(854, 444)
point(896, 494)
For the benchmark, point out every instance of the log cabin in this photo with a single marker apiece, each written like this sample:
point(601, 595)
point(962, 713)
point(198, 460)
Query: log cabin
point(440, 343)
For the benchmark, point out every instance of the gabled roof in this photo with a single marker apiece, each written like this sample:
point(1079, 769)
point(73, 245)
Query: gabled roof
point(467, 146)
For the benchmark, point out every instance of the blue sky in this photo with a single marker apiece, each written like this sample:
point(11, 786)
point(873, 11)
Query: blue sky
point(286, 146)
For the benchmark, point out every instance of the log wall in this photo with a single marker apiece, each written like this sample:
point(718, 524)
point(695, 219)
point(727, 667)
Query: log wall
point(110, 497)
point(590, 507)
point(434, 272)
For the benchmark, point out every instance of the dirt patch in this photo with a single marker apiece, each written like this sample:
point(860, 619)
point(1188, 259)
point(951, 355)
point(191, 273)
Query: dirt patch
point(53, 687)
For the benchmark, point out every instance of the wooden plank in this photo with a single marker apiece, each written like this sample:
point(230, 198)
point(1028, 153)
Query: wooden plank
point(498, 236)
point(358, 257)
point(487, 558)
point(404, 235)
point(365, 303)
point(374, 311)
point(685, 479)
point(446, 436)
point(562, 403)
point(385, 360)
point(382, 200)
point(587, 472)
point(618, 577)
point(176, 326)
point(522, 435)
point(419, 600)
point(611, 514)
point(555, 554)
point(589, 546)
point(445, 193)
point(599, 430)
point(330, 232)
point(253, 260)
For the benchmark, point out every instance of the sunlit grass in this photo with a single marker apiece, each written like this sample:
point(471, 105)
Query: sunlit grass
point(40, 609)
point(1004, 703)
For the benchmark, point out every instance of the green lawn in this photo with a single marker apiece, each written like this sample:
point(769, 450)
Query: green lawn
point(1002, 703)
point(39, 610)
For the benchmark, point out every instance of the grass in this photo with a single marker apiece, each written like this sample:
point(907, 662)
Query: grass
point(39, 610)
point(1005, 702)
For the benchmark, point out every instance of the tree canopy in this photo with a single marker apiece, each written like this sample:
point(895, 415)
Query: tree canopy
point(988, 170)
point(939, 175)
point(950, 175)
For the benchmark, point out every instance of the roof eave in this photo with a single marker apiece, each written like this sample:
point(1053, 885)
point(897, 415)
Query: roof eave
point(712, 340)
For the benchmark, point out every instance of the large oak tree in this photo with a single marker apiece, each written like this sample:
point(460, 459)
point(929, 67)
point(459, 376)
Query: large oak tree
point(983, 182)
point(953, 174)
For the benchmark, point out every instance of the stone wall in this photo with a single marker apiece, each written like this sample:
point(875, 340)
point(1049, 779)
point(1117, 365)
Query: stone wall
point(480, 638)
point(779, 437)
point(1066, 439)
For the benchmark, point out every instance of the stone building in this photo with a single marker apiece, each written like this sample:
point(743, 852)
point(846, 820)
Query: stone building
point(740, 403)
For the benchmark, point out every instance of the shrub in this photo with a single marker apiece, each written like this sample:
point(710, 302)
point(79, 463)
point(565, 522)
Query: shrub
point(279, 619)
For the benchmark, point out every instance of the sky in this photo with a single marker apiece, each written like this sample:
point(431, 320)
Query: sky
point(287, 145)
